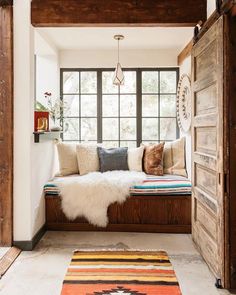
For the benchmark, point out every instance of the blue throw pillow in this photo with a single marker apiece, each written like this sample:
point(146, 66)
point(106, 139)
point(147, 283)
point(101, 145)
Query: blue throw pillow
point(113, 159)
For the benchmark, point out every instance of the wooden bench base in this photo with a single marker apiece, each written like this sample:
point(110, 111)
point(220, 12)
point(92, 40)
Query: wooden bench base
point(157, 214)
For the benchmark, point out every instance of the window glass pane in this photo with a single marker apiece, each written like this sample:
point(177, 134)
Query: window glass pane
point(130, 83)
point(70, 82)
point(129, 144)
point(128, 105)
point(110, 129)
point(88, 129)
point(168, 129)
point(150, 105)
point(88, 106)
point(88, 82)
point(150, 129)
point(110, 105)
point(168, 82)
point(110, 144)
point(127, 129)
point(107, 83)
point(71, 129)
point(168, 106)
point(150, 82)
point(119, 110)
point(71, 105)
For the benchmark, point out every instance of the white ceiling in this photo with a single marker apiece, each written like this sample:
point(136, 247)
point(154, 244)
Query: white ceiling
point(102, 38)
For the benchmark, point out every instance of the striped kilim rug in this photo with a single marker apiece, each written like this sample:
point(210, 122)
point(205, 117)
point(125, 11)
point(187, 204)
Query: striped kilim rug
point(120, 273)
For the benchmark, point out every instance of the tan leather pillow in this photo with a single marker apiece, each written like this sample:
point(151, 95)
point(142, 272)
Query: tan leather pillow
point(174, 157)
point(153, 159)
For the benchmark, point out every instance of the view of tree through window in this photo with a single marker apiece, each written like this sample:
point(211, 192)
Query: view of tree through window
point(141, 110)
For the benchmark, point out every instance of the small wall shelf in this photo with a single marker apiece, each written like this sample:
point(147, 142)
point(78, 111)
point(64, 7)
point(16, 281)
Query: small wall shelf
point(47, 134)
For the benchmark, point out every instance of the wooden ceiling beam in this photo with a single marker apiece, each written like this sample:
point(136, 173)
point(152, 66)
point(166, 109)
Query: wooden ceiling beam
point(4, 3)
point(62, 13)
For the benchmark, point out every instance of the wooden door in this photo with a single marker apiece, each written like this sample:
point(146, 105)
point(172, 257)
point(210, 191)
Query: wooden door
point(208, 148)
point(6, 124)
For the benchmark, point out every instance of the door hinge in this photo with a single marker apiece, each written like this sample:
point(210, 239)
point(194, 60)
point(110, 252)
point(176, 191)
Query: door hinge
point(218, 284)
point(225, 183)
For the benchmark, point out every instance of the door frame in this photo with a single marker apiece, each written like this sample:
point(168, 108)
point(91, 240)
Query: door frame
point(6, 167)
point(6, 122)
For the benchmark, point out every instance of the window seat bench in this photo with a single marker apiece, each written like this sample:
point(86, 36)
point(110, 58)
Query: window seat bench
point(159, 204)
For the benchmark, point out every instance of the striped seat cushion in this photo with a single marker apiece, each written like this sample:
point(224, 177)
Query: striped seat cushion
point(153, 185)
point(162, 185)
point(51, 189)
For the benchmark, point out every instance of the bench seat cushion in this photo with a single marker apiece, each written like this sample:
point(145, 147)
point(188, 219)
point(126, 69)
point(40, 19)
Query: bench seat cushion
point(153, 185)
point(162, 185)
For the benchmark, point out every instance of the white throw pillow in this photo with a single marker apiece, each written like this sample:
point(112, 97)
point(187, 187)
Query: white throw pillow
point(174, 157)
point(87, 157)
point(67, 159)
point(135, 159)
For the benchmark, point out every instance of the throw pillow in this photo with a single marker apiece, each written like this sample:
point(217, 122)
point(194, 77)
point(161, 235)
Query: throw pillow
point(87, 157)
point(67, 159)
point(153, 159)
point(113, 159)
point(135, 159)
point(174, 157)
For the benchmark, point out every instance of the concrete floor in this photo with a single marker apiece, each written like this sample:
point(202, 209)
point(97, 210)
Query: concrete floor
point(41, 271)
point(3, 251)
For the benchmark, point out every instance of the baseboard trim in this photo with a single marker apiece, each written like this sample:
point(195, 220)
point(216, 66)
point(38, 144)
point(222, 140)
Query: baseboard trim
point(29, 245)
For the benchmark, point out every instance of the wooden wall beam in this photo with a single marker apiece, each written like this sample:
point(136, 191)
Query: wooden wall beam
point(6, 125)
point(186, 52)
point(61, 13)
point(4, 3)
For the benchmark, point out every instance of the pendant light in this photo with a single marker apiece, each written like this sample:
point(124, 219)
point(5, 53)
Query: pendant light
point(118, 75)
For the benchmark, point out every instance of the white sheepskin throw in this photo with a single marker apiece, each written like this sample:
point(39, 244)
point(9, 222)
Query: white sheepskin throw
point(90, 195)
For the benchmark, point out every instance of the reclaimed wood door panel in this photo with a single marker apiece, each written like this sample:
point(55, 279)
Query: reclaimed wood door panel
point(207, 148)
point(6, 125)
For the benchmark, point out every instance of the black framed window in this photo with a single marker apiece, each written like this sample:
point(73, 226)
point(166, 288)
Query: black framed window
point(142, 110)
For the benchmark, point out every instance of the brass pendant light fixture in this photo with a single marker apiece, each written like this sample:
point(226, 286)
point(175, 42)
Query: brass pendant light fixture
point(119, 77)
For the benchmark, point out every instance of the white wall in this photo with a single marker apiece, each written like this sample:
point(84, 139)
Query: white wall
point(211, 6)
point(43, 163)
point(185, 68)
point(47, 77)
point(23, 117)
point(108, 58)
point(33, 163)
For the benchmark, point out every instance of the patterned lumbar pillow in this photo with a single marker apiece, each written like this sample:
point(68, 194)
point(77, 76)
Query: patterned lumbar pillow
point(135, 159)
point(87, 157)
point(67, 159)
point(153, 159)
point(113, 159)
point(174, 157)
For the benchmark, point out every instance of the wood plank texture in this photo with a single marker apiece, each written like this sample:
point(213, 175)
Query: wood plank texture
point(186, 52)
point(142, 214)
point(55, 13)
point(230, 78)
point(208, 221)
point(6, 125)
point(7, 260)
point(4, 3)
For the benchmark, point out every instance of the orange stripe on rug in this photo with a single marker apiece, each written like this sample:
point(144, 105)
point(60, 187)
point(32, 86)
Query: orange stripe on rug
point(98, 279)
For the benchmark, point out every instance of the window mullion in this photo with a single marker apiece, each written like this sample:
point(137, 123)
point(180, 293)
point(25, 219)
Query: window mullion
point(99, 106)
point(139, 106)
point(159, 106)
point(80, 121)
